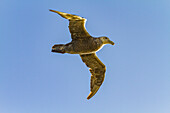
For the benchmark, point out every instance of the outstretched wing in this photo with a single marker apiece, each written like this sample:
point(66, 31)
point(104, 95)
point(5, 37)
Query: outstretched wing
point(97, 69)
point(76, 25)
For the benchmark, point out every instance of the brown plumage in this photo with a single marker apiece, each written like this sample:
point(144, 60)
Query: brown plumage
point(97, 69)
point(86, 46)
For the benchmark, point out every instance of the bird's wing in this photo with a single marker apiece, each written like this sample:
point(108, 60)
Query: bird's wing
point(97, 69)
point(76, 25)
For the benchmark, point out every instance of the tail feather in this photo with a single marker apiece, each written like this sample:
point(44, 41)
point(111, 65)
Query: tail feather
point(60, 48)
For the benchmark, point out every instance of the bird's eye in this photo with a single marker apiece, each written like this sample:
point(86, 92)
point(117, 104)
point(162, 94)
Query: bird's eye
point(105, 37)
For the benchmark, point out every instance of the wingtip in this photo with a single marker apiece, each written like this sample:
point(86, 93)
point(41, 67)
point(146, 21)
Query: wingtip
point(52, 10)
point(93, 93)
point(89, 96)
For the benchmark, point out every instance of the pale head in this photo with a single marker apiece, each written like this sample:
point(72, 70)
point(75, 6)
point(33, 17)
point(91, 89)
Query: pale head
point(106, 40)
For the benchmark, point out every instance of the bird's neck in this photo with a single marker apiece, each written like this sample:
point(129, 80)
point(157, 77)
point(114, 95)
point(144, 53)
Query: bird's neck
point(99, 40)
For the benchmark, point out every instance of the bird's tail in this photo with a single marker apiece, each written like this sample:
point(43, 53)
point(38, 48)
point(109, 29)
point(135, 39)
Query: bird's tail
point(60, 48)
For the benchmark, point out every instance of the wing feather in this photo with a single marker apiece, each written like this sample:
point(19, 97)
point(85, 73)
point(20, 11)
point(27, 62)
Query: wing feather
point(76, 25)
point(97, 69)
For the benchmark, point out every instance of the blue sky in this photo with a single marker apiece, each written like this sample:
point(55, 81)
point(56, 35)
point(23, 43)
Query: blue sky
point(35, 80)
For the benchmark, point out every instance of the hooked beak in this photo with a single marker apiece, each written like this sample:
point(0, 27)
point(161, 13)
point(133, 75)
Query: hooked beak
point(111, 42)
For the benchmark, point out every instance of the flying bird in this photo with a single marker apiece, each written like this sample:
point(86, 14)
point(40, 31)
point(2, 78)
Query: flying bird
point(86, 46)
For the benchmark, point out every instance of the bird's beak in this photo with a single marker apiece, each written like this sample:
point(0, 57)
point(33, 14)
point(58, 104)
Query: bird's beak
point(111, 42)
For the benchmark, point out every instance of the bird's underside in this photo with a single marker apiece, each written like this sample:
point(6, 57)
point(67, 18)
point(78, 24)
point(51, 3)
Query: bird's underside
point(86, 46)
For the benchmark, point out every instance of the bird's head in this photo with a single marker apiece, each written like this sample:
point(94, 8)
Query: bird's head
point(106, 40)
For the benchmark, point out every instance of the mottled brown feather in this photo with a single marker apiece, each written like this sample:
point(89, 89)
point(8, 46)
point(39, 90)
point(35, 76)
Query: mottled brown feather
point(76, 25)
point(97, 69)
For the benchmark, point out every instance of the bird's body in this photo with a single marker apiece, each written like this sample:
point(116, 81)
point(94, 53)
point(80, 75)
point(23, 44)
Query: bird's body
point(86, 46)
point(81, 46)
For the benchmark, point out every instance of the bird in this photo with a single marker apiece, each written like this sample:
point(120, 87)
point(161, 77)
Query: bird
point(86, 46)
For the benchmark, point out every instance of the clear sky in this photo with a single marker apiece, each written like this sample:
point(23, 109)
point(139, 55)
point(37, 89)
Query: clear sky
point(35, 80)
